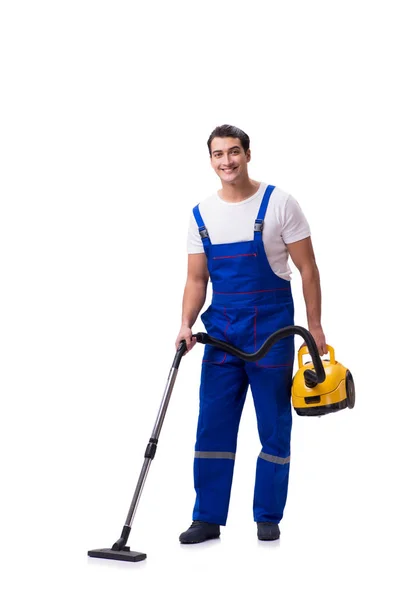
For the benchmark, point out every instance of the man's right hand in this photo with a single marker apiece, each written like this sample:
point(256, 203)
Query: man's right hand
point(185, 333)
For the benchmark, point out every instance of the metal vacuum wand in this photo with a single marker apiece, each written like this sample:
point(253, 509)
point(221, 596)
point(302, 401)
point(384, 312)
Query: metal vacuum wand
point(120, 550)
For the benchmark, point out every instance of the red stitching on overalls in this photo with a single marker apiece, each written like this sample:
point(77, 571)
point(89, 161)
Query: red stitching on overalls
point(226, 337)
point(234, 256)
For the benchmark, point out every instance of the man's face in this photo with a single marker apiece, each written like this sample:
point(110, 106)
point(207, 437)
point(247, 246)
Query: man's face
point(228, 159)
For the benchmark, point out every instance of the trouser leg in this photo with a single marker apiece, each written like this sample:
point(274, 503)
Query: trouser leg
point(223, 391)
point(271, 390)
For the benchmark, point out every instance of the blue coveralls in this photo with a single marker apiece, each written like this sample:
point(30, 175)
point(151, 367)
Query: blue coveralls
point(249, 303)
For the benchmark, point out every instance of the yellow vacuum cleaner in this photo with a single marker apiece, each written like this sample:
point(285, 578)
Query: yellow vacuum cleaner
point(334, 393)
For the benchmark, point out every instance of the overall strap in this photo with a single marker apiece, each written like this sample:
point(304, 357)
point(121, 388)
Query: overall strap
point(205, 238)
point(259, 222)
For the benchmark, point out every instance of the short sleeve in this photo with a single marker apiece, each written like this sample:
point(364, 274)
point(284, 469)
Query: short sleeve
point(295, 226)
point(194, 243)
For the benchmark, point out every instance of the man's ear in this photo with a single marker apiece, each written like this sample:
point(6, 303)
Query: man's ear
point(248, 155)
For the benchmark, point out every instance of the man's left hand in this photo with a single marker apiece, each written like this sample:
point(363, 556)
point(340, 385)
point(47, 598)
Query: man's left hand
point(319, 337)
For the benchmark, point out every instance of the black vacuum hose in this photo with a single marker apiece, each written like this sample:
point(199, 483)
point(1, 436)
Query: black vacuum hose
point(311, 378)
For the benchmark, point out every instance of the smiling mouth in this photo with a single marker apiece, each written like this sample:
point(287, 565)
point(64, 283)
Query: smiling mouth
point(229, 170)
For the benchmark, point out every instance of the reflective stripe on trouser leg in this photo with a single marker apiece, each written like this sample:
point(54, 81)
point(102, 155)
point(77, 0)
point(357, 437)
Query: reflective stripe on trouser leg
point(271, 390)
point(222, 393)
point(230, 455)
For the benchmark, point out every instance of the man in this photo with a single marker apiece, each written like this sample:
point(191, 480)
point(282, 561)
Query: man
point(241, 238)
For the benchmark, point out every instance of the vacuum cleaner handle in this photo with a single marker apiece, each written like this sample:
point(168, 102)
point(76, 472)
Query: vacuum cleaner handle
point(179, 353)
point(311, 378)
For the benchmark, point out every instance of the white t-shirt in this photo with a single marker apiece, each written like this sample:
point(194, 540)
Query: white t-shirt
point(229, 222)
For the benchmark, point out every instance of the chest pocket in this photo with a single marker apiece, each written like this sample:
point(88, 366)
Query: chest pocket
point(235, 270)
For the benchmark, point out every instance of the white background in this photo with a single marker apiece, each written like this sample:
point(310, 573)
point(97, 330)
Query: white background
point(105, 112)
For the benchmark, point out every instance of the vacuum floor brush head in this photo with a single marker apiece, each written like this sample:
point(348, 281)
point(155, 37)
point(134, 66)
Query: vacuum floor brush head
point(124, 554)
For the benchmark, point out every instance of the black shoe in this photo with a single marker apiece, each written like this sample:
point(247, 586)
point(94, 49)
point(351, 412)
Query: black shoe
point(199, 531)
point(268, 531)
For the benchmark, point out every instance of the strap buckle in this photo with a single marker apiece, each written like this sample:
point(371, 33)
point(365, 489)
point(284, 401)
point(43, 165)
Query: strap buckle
point(259, 225)
point(203, 232)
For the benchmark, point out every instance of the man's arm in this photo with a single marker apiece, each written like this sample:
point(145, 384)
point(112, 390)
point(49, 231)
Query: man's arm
point(193, 297)
point(302, 254)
